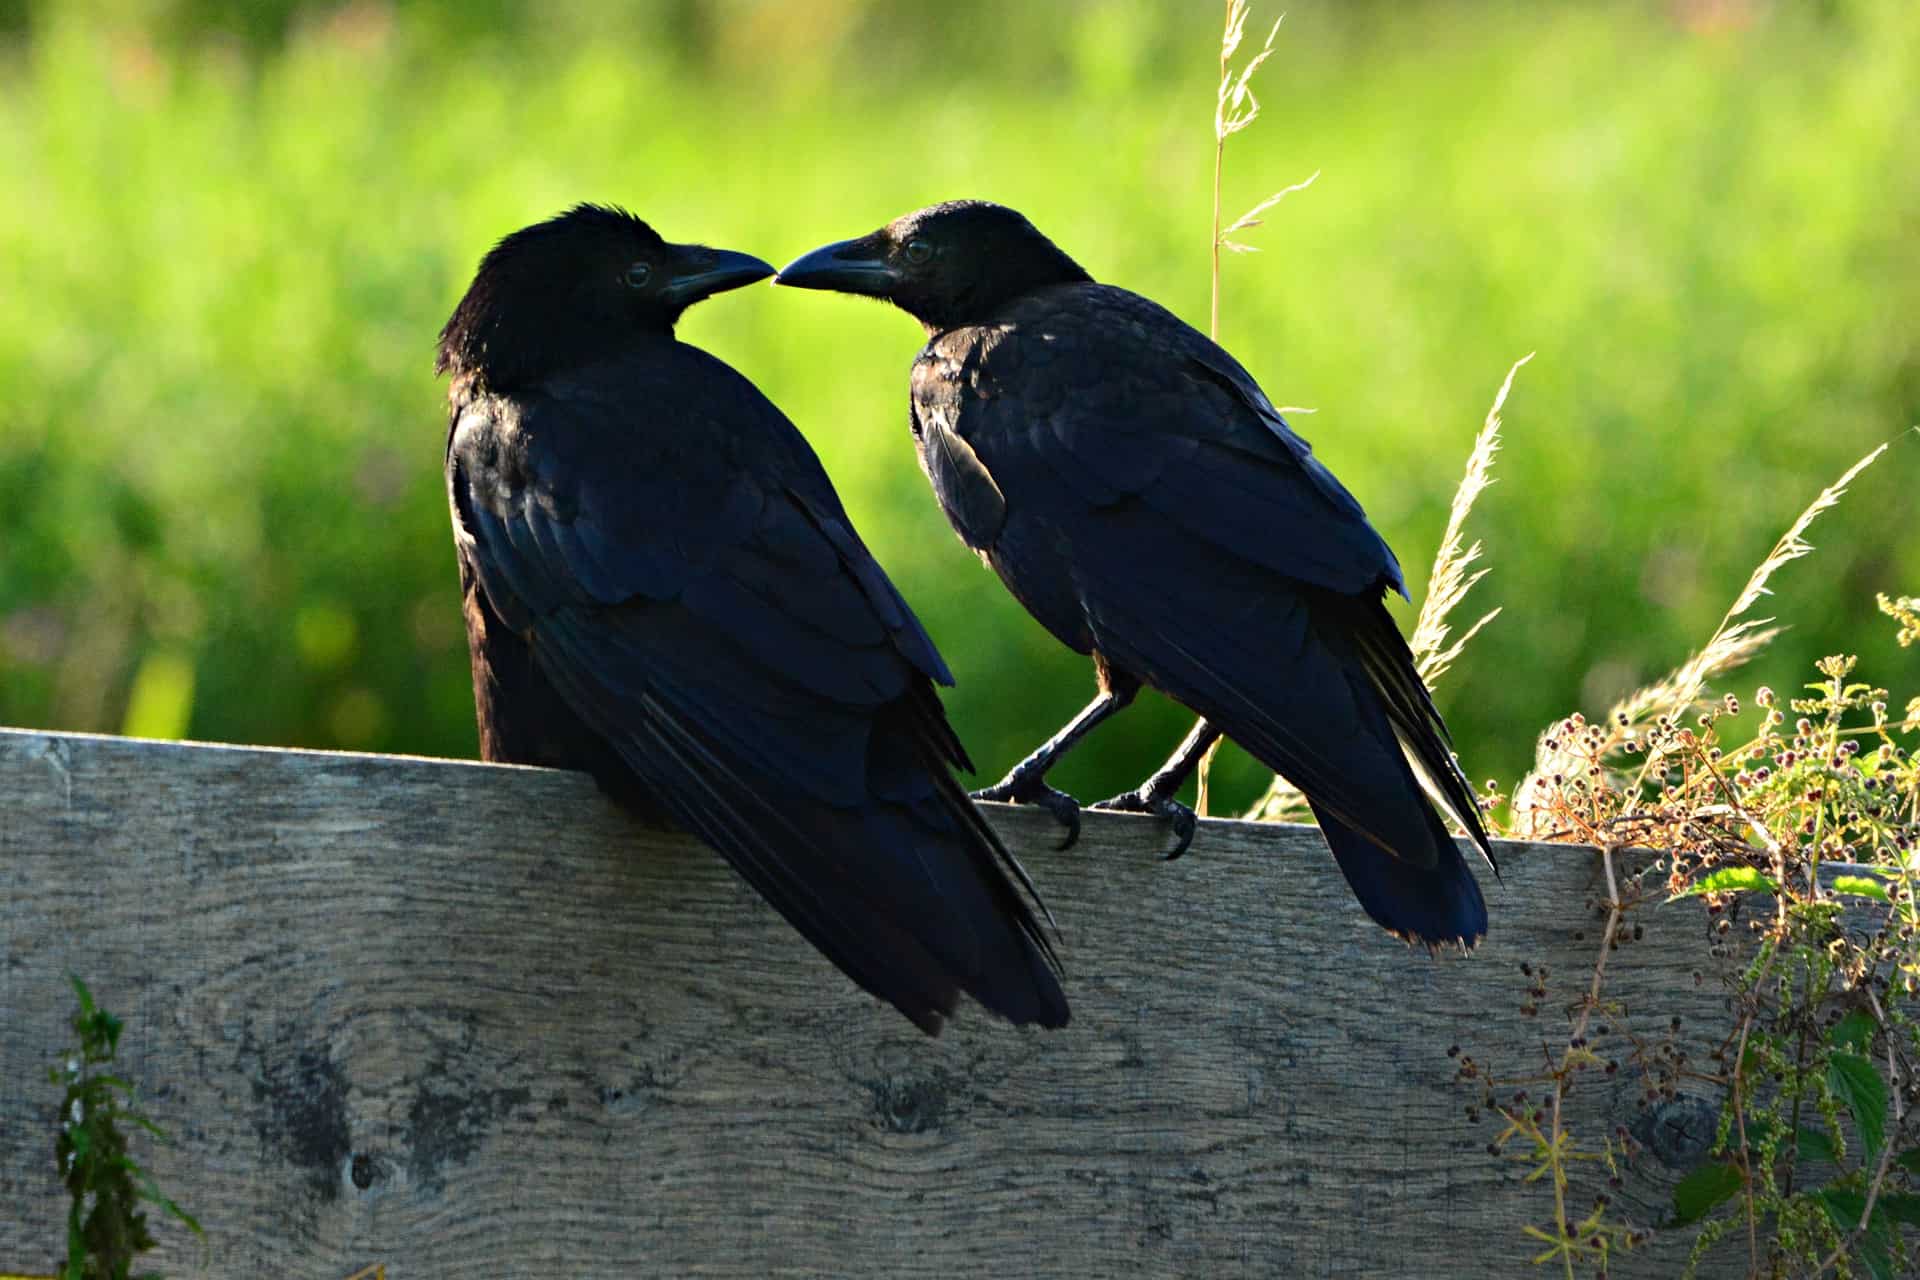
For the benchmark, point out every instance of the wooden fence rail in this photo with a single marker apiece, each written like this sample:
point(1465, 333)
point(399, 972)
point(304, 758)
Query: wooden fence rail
point(466, 1020)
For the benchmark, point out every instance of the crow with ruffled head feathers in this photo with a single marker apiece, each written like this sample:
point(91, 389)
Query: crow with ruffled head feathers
point(1139, 494)
point(661, 589)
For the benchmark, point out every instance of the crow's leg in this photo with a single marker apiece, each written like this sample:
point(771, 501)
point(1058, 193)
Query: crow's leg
point(1026, 782)
point(1155, 795)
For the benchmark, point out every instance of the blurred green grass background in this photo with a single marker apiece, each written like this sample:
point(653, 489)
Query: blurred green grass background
point(230, 234)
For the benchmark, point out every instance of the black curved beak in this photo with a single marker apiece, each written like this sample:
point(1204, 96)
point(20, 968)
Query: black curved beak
point(700, 272)
point(846, 266)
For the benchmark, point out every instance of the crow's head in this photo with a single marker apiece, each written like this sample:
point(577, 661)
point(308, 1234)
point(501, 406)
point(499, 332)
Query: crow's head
point(946, 265)
point(577, 288)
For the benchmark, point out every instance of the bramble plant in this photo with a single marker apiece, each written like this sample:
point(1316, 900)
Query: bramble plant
point(1816, 1160)
point(1816, 1140)
point(106, 1227)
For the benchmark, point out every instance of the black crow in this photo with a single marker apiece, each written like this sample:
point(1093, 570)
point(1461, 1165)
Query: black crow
point(1139, 494)
point(662, 589)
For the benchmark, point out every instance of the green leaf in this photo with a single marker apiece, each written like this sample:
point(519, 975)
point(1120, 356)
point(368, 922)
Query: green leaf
point(1860, 887)
point(135, 1118)
point(1902, 1207)
point(1843, 1207)
point(1856, 1082)
point(1705, 1187)
point(1875, 1252)
point(1908, 1160)
point(150, 1192)
point(1855, 1032)
point(1727, 879)
point(1815, 1144)
point(1843, 1210)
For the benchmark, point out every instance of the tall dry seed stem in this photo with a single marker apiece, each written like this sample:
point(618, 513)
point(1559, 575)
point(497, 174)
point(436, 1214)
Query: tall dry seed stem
point(1452, 578)
point(1234, 108)
point(1734, 642)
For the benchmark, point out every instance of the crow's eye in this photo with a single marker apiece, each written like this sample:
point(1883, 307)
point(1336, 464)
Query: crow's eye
point(919, 252)
point(638, 274)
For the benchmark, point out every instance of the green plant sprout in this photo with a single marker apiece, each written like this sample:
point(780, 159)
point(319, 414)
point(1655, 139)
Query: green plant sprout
point(106, 1226)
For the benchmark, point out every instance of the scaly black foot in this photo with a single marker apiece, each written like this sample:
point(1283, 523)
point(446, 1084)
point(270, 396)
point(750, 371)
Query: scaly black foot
point(1142, 800)
point(1030, 787)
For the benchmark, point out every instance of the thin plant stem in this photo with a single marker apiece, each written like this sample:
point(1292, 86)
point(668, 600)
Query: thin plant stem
point(1616, 911)
point(1219, 160)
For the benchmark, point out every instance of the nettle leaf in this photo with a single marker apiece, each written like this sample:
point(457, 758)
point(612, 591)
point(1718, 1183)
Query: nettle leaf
point(1709, 1185)
point(1902, 1207)
point(1855, 1032)
point(1856, 1082)
point(1815, 1144)
point(1876, 1250)
point(1861, 887)
point(1843, 1209)
point(1727, 879)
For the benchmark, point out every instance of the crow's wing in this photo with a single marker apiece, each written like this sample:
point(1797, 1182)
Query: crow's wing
point(1136, 467)
point(676, 560)
point(1117, 399)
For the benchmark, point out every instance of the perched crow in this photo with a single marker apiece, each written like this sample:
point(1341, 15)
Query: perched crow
point(1138, 493)
point(661, 589)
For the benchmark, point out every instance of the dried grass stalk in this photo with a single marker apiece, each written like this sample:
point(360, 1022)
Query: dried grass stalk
point(1452, 578)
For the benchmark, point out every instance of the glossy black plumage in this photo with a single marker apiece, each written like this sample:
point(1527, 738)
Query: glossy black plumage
point(662, 589)
point(1138, 493)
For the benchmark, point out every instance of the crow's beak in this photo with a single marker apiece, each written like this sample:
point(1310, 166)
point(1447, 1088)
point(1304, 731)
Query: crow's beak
point(700, 272)
point(848, 266)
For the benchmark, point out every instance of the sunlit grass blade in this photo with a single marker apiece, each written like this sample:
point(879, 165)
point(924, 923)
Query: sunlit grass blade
point(1251, 218)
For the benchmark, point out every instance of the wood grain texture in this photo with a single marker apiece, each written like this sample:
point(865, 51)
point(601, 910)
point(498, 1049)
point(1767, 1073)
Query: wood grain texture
point(467, 1020)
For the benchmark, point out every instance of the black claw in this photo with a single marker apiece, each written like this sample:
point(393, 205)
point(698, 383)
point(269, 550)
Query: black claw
point(1033, 789)
point(1143, 801)
point(1066, 811)
point(1184, 825)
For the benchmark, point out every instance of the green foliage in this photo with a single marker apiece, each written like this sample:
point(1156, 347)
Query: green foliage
point(1697, 1194)
point(106, 1227)
point(1727, 879)
point(1818, 826)
point(230, 239)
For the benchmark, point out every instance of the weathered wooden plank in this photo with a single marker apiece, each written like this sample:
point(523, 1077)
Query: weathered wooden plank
point(467, 1020)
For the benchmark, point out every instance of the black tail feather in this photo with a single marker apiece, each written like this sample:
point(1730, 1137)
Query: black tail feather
point(1435, 906)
